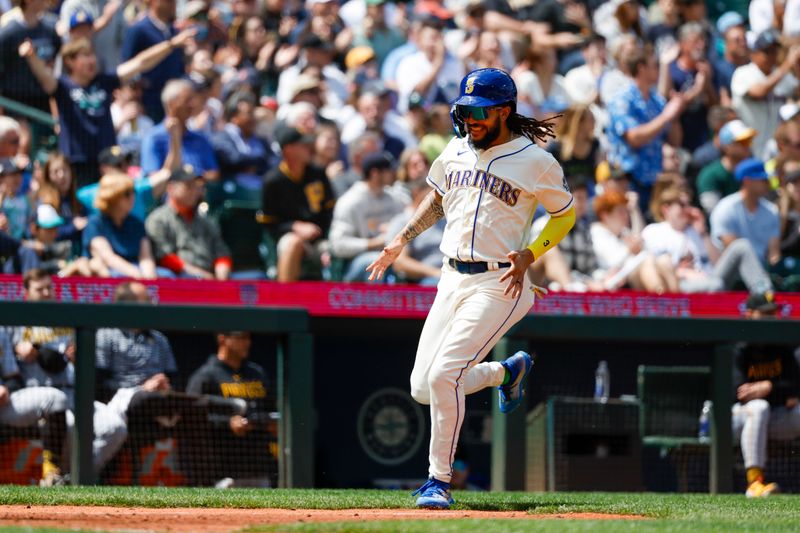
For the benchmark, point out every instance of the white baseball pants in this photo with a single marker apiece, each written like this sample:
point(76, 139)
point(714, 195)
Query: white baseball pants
point(754, 422)
point(469, 315)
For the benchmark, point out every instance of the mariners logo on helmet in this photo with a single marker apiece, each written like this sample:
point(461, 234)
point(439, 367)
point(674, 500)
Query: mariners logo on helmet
point(470, 85)
point(487, 87)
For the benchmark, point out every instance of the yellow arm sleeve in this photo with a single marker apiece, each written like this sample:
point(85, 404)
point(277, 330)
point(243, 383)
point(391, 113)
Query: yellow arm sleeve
point(552, 233)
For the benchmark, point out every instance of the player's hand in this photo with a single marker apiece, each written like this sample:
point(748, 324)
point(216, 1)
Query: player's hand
point(157, 382)
point(515, 275)
point(239, 425)
point(390, 252)
point(308, 231)
point(753, 391)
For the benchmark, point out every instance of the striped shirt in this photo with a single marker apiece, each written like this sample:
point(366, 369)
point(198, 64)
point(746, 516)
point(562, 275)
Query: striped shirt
point(132, 357)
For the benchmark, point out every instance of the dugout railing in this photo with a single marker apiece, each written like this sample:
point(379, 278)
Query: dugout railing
point(716, 335)
point(294, 366)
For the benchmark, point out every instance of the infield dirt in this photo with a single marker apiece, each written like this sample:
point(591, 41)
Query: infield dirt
point(228, 520)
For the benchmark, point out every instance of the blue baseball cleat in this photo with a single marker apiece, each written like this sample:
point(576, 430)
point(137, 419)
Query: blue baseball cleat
point(511, 394)
point(434, 494)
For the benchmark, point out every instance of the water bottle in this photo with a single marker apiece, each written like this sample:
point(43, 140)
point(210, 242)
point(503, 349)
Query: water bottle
point(602, 383)
point(704, 430)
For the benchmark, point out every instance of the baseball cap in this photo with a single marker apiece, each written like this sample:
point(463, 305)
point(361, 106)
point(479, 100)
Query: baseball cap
point(606, 171)
point(47, 217)
point(286, 135)
point(113, 156)
point(194, 8)
point(761, 301)
point(303, 82)
point(184, 173)
point(766, 40)
point(357, 56)
point(735, 131)
point(8, 166)
point(752, 169)
point(80, 17)
point(313, 40)
point(377, 160)
point(728, 20)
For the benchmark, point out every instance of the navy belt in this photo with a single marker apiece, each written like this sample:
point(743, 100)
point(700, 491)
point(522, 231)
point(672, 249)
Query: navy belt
point(478, 267)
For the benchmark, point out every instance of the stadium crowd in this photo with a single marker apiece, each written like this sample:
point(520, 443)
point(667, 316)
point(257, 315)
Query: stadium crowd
point(287, 140)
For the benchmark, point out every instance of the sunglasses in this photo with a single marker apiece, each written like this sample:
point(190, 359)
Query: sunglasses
point(478, 113)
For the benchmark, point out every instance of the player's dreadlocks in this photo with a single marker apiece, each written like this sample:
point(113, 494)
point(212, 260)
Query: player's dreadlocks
point(530, 127)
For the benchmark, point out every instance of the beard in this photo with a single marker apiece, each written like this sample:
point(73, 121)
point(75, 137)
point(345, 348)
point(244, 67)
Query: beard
point(492, 133)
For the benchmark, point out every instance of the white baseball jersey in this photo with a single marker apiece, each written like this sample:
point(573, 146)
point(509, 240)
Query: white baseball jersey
point(489, 197)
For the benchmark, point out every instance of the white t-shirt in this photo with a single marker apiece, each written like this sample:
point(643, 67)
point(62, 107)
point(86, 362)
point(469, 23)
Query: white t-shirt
point(661, 238)
point(761, 15)
point(412, 69)
point(581, 85)
point(490, 196)
point(759, 114)
point(530, 86)
point(613, 254)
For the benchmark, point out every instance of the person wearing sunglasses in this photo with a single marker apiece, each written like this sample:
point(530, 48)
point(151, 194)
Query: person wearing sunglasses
point(486, 183)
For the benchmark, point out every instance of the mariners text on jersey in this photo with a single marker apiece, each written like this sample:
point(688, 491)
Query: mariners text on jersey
point(481, 179)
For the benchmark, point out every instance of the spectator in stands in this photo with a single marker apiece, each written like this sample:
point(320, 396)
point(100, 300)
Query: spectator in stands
point(46, 358)
point(617, 78)
point(716, 180)
point(748, 214)
point(431, 72)
point(44, 408)
point(196, 150)
point(682, 235)
point(361, 216)
point(328, 152)
point(59, 189)
point(621, 254)
point(367, 143)
point(83, 97)
point(155, 28)
point(640, 121)
point(612, 178)
point(243, 156)
point(583, 83)
point(731, 27)
point(787, 140)
point(127, 112)
point(374, 113)
point(102, 22)
point(376, 33)
point(136, 369)
point(12, 143)
point(115, 237)
point(316, 53)
point(421, 260)
point(184, 241)
point(17, 81)
point(413, 166)
point(243, 445)
point(692, 75)
point(761, 86)
point(540, 85)
point(790, 214)
point(16, 211)
point(297, 204)
point(575, 146)
point(767, 381)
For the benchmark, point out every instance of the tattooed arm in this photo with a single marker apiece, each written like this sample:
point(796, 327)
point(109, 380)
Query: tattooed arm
point(430, 210)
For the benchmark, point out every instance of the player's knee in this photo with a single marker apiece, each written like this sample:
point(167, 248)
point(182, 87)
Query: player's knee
point(438, 375)
point(55, 401)
point(420, 395)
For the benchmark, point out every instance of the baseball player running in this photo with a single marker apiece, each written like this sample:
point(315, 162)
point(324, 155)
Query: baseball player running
point(487, 183)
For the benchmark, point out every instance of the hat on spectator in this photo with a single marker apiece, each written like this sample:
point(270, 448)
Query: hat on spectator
point(47, 217)
point(8, 166)
point(80, 17)
point(357, 56)
point(114, 156)
point(184, 173)
point(377, 160)
point(735, 131)
point(729, 20)
point(766, 40)
point(761, 301)
point(302, 83)
point(376, 87)
point(606, 171)
point(751, 169)
point(286, 135)
point(312, 40)
point(194, 8)
point(788, 111)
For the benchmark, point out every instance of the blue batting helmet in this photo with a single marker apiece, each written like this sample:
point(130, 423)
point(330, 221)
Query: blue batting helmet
point(486, 87)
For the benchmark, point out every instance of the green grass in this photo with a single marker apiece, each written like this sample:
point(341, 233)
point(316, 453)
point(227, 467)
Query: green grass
point(666, 512)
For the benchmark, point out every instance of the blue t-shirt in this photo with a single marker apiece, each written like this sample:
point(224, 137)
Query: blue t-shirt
point(731, 217)
point(141, 36)
point(196, 150)
point(85, 117)
point(125, 240)
point(626, 111)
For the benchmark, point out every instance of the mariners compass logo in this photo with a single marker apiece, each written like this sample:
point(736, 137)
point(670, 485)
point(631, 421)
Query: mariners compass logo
point(390, 426)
